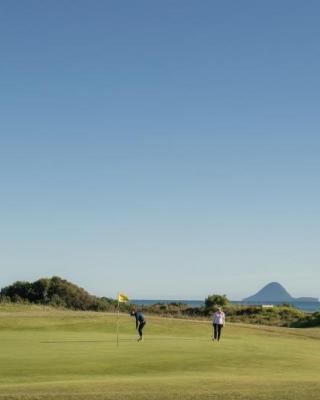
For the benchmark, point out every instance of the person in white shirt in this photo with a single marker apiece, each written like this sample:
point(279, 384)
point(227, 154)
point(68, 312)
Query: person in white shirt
point(219, 320)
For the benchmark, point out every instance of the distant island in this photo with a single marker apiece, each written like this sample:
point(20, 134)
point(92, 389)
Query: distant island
point(274, 292)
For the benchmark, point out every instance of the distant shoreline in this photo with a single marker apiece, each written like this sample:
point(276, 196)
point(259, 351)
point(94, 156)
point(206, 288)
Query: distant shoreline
point(304, 306)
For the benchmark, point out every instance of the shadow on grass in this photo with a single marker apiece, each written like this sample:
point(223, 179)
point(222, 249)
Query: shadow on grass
point(120, 340)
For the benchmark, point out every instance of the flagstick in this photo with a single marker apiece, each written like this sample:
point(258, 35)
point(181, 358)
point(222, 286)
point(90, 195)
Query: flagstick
point(118, 322)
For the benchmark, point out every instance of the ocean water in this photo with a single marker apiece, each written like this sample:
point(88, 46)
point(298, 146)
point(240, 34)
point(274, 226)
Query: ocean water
point(304, 306)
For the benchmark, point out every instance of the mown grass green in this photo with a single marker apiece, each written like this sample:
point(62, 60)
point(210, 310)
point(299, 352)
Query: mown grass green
point(51, 354)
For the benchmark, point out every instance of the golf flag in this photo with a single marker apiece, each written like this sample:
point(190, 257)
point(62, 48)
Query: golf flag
point(122, 298)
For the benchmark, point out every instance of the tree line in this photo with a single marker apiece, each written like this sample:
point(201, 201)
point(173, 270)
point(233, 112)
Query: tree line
point(59, 292)
point(56, 292)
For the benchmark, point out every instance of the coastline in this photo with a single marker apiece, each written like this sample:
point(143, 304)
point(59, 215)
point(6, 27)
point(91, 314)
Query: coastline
point(304, 306)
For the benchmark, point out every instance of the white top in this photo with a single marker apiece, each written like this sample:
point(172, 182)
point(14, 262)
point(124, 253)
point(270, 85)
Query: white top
point(219, 318)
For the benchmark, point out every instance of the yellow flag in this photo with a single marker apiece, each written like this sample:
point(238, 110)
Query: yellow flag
point(122, 298)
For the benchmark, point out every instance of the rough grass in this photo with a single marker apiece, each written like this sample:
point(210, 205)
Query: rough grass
point(52, 354)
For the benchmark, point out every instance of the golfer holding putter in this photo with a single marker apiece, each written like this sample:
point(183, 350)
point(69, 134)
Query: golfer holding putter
point(219, 320)
point(140, 322)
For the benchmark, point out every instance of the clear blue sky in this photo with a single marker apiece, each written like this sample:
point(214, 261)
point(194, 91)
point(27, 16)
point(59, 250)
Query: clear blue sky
point(169, 149)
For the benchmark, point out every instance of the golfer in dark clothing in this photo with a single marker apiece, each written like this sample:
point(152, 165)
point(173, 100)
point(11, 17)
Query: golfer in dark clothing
point(140, 322)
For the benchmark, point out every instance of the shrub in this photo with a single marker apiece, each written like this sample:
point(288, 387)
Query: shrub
point(56, 292)
point(215, 300)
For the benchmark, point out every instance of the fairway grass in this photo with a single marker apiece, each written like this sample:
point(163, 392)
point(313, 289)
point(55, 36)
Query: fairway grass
point(51, 354)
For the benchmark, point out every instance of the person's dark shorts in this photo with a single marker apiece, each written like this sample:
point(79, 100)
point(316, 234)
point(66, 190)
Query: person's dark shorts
point(142, 324)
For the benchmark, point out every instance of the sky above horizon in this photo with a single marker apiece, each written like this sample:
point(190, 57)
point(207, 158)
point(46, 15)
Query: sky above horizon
point(164, 149)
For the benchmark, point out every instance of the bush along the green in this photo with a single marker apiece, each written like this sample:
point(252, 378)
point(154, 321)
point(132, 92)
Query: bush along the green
point(308, 321)
point(59, 292)
point(56, 292)
point(251, 314)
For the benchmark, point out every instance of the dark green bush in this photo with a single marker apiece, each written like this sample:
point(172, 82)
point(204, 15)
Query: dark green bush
point(56, 292)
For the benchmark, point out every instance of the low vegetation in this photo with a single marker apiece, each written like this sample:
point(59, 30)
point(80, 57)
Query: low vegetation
point(285, 315)
point(308, 321)
point(59, 292)
point(55, 292)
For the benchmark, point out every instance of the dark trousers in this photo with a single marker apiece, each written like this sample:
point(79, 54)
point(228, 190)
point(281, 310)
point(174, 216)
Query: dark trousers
point(217, 328)
point(141, 326)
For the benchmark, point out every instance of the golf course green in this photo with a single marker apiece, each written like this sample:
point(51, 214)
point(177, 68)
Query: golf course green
point(47, 353)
